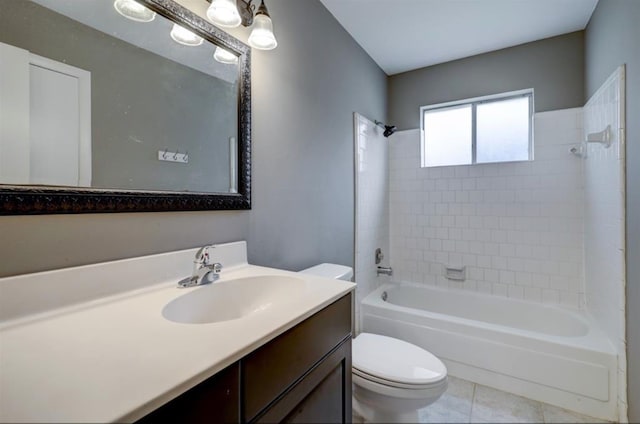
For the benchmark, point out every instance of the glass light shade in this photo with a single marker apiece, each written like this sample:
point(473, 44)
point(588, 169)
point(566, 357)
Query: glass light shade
point(224, 56)
point(184, 36)
point(224, 13)
point(133, 10)
point(262, 37)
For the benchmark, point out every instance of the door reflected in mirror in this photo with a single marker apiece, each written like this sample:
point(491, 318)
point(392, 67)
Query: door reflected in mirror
point(92, 99)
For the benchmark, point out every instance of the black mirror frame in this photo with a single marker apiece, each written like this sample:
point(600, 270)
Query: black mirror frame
point(35, 200)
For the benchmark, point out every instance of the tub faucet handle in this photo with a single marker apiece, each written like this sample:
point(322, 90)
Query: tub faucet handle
point(379, 256)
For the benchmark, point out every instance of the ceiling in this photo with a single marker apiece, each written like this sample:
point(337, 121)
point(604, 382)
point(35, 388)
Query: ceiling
point(402, 35)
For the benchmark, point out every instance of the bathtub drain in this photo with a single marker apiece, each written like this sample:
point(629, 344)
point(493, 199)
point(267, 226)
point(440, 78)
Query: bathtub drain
point(384, 296)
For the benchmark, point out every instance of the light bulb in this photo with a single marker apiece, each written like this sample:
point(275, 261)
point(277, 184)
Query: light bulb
point(133, 10)
point(224, 13)
point(262, 36)
point(225, 56)
point(184, 36)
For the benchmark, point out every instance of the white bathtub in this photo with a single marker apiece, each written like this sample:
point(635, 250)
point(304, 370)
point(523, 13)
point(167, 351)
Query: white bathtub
point(542, 352)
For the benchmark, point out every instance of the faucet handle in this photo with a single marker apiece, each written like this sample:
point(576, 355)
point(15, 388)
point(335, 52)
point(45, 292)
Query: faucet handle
point(202, 255)
point(213, 273)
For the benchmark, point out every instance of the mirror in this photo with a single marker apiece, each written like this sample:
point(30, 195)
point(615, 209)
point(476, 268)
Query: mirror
point(101, 113)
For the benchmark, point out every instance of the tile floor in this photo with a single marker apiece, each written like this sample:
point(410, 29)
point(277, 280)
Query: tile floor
point(466, 402)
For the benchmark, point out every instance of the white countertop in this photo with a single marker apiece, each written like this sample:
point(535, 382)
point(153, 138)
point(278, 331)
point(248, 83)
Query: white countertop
point(117, 358)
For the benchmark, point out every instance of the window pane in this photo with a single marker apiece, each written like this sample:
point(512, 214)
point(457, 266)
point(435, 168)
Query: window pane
point(447, 136)
point(502, 130)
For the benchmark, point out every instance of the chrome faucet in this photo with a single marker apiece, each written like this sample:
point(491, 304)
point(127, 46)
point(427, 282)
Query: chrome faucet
point(385, 270)
point(204, 272)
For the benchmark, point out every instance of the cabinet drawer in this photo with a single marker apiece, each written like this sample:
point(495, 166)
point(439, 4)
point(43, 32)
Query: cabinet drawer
point(272, 369)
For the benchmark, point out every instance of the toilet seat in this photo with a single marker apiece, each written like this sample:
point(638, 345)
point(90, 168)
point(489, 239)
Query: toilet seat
point(432, 391)
point(395, 363)
point(394, 384)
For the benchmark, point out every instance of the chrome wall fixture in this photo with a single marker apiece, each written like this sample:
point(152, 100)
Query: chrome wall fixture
point(233, 13)
point(603, 137)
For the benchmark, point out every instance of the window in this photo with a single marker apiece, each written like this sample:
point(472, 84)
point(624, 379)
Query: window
point(481, 130)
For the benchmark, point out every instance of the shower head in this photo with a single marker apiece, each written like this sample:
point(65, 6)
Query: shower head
point(388, 129)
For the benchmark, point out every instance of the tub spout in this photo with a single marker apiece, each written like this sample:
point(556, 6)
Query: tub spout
point(385, 270)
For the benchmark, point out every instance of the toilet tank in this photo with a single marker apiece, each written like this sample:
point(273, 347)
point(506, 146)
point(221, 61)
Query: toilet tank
point(334, 271)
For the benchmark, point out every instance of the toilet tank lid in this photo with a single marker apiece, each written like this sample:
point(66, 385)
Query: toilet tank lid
point(335, 271)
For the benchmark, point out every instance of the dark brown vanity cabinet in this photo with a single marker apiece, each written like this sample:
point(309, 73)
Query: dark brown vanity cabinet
point(215, 400)
point(303, 375)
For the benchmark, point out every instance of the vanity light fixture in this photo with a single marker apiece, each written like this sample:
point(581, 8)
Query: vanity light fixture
point(262, 36)
point(133, 10)
point(224, 56)
point(226, 13)
point(183, 36)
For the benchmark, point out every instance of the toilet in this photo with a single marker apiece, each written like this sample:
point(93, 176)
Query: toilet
point(392, 379)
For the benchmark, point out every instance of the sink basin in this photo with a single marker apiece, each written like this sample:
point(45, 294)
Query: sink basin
point(232, 299)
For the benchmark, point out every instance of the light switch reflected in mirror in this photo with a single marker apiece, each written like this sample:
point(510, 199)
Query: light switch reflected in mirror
point(96, 98)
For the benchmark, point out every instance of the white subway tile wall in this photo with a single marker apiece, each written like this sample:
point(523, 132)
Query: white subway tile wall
point(604, 219)
point(372, 207)
point(517, 227)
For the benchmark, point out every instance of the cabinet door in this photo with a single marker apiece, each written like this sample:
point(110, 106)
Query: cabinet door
point(324, 403)
point(271, 370)
point(323, 395)
point(216, 400)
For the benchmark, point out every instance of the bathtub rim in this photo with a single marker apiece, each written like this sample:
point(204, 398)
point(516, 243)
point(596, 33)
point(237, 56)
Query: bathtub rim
point(594, 340)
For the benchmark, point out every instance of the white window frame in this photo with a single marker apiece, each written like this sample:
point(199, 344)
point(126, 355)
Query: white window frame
point(474, 102)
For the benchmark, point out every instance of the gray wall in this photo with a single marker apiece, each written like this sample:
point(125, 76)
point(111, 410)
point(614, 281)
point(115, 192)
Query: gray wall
point(304, 94)
point(553, 67)
point(611, 39)
point(141, 103)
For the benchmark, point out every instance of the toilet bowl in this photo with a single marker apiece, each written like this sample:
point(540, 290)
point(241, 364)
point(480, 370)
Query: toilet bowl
point(392, 379)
